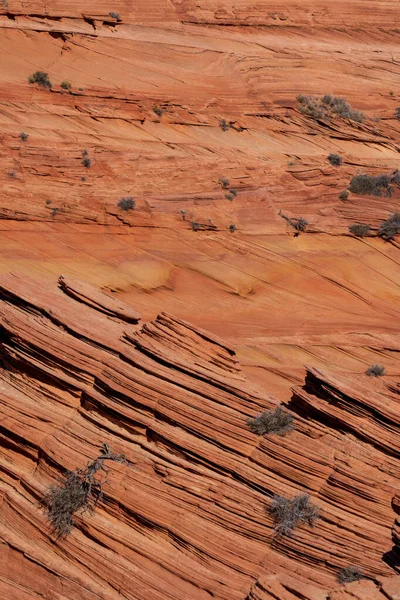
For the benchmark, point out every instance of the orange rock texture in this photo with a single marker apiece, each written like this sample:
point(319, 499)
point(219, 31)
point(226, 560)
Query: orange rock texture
point(161, 329)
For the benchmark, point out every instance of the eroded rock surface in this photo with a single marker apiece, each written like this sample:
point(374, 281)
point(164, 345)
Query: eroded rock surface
point(188, 516)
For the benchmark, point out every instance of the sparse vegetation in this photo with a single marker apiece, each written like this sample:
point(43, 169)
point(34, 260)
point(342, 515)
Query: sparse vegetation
point(87, 162)
point(55, 211)
point(224, 182)
point(224, 125)
point(289, 514)
point(233, 192)
point(350, 574)
point(232, 228)
point(344, 194)
point(194, 225)
point(375, 371)
point(397, 113)
point(127, 203)
point(157, 110)
point(41, 78)
point(229, 196)
point(298, 223)
point(11, 174)
point(115, 15)
point(277, 421)
point(85, 152)
point(371, 185)
point(324, 107)
point(48, 202)
point(390, 228)
point(66, 85)
point(183, 213)
point(335, 159)
point(77, 491)
point(359, 229)
point(23, 136)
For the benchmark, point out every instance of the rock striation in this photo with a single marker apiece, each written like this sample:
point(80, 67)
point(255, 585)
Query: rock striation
point(188, 516)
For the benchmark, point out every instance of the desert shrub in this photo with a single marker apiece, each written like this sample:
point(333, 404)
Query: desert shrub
point(115, 15)
point(41, 78)
point(194, 225)
point(277, 421)
point(229, 196)
point(371, 185)
point(359, 229)
point(323, 107)
point(55, 211)
point(335, 159)
point(66, 85)
point(48, 202)
point(349, 574)
point(311, 106)
point(389, 228)
point(85, 152)
point(375, 371)
point(289, 514)
point(232, 228)
point(224, 182)
point(83, 178)
point(127, 203)
point(157, 110)
point(23, 136)
point(224, 125)
point(87, 162)
point(77, 491)
point(299, 223)
point(397, 113)
point(233, 192)
point(344, 194)
point(183, 213)
point(11, 174)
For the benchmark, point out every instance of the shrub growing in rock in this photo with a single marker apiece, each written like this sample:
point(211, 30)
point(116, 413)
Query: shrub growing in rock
point(23, 136)
point(224, 125)
point(157, 110)
point(359, 229)
point(350, 574)
point(232, 228)
point(229, 196)
point(397, 113)
point(389, 228)
point(87, 162)
point(115, 15)
point(77, 491)
point(323, 108)
point(65, 85)
point(335, 159)
point(371, 185)
point(375, 371)
point(41, 78)
point(127, 203)
point(289, 514)
point(224, 182)
point(344, 194)
point(277, 421)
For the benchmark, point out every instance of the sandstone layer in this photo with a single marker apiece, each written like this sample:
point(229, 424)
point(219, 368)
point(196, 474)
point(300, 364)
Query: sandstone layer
point(134, 329)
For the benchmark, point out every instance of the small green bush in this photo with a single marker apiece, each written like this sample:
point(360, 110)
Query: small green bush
point(232, 228)
point(87, 162)
point(350, 574)
point(335, 159)
point(23, 136)
point(224, 125)
point(115, 15)
point(323, 108)
point(390, 228)
point(233, 192)
point(66, 85)
point(289, 514)
point(359, 229)
point(277, 421)
point(229, 196)
point(397, 113)
point(375, 371)
point(157, 110)
point(127, 203)
point(344, 194)
point(224, 182)
point(41, 78)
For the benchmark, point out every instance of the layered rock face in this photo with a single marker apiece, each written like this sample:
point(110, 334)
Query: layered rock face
point(187, 517)
point(160, 329)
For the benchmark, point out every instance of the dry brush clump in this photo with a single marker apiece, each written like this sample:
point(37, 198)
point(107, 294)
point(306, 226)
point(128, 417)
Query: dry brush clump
point(350, 574)
point(323, 108)
point(78, 491)
point(335, 159)
point(359, 229)
point(375, 371)
point(390, 228)
point(289, 514)
point(277, 421)
point(41, 78)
